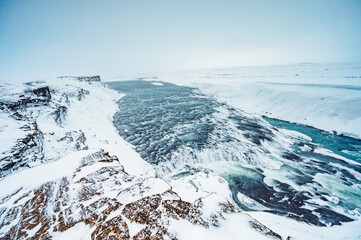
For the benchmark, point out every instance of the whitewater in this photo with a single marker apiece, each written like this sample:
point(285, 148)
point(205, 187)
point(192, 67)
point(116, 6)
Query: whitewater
point(268, 168)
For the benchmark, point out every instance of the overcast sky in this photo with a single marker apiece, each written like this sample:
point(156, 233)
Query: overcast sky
point(41, 38)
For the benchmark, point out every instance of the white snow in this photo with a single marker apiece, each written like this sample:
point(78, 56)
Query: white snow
point(79, 231)
point(199, 185)
point(157, 83)
point(298, 230)
point(147, 187)
point(331, 108)
point(9, 132)
point(244, 199)
point(94, 115)
point(36, 176)
point(236, 226)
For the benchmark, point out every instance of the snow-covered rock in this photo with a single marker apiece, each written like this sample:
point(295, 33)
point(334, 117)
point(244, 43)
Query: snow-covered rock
point(94, 189)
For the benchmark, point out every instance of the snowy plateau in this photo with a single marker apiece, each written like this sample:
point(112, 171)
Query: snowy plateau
point(206, 154)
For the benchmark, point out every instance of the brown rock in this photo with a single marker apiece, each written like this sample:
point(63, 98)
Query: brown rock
point(115, 229)
point(143, 211)
point(179, 207)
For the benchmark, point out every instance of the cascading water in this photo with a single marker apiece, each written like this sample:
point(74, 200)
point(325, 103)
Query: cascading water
point(181, 131)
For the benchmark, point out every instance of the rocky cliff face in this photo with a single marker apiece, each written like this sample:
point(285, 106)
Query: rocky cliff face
point(57, 183)
point(27, 107)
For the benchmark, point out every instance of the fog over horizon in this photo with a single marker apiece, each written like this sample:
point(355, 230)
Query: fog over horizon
point(40, 39)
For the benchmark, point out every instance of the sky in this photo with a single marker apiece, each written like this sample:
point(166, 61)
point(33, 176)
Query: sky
point(41, 38)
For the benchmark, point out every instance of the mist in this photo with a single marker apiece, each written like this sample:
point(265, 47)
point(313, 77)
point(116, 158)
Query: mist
point(41, 39)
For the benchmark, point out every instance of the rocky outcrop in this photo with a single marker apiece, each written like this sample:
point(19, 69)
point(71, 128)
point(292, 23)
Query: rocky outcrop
point(23, 107)
point(42, 92)
point(26, 107)
point(107, 199)
point(59, 114)
point(35, 97)
point(263, 229)
point(26, 151)
point(74, 140)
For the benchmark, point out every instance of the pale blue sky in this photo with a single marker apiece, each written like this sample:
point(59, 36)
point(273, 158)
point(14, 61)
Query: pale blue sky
point(41, 38)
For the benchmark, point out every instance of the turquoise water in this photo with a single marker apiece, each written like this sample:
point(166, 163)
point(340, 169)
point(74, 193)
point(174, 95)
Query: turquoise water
point(342, 145)
point(181, 131)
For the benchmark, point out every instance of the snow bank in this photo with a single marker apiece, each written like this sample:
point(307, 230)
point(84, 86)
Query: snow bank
point(34, 177)
point(236, 226)
point(10, 132)
point(298, 230)
point(94, 116)
point(329, 108)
